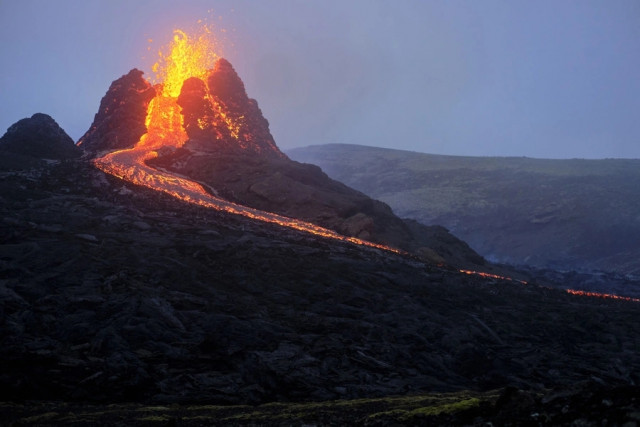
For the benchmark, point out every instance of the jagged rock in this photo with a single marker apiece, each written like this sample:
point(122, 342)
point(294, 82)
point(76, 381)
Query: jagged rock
point(120, 120)
point(253, 312)
point(202, 123)
point(226, 120)
point(39, 136)
point(226, 85)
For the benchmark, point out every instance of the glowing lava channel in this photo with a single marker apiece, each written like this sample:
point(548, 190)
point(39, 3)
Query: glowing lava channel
point(190, 57)
point(569, 291)
point(599, 295)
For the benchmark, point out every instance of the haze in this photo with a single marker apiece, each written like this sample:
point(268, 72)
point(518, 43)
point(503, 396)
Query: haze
point(540, 79)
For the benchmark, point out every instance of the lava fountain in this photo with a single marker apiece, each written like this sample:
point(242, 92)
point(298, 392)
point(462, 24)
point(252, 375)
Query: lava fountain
point(186, 57)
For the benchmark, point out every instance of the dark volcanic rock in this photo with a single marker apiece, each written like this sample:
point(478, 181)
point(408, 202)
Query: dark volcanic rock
point(225, 84)
point(200, 120)
point(111, 292)
point(120, 121)
point(228, 102)
point(39, 136)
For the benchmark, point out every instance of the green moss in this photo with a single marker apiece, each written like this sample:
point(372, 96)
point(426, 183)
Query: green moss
point(154, 408)
point(394, 413)
point(47, 416)
point(447, 408)
point(155, 418)
point(401, 409)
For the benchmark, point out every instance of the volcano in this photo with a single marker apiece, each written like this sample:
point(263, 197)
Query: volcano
point(207, 142)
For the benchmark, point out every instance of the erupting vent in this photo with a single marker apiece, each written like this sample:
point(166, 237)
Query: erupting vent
point(189, 58)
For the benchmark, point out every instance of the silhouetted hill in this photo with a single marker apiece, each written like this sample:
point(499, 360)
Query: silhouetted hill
point(38, 137)
point(562, 214)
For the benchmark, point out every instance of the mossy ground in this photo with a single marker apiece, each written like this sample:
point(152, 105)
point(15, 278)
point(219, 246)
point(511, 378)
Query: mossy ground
point(376, 411)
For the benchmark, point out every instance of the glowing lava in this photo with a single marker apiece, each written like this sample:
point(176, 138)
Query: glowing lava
point(190, 57)
point(603, 296)
point(491, 276)
point(187, 56)
point(569, 291)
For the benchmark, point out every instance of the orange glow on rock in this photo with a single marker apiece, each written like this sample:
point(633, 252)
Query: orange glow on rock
point(569, 291)
point(599, 295)
point(191, 56)
point(491, 276)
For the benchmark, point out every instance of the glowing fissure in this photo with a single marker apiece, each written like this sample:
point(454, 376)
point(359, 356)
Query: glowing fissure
point(491, 276)
point(599, 295)
point(569, 291)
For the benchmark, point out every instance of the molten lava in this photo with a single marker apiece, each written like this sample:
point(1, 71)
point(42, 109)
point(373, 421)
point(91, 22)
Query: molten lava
point(569, 291)
point(491, 276)
point(603, 296)
point(186, 57)
point(190, 57)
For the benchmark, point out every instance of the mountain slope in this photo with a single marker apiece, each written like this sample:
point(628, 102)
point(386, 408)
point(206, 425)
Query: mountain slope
point(113, 292)
point(564, 214)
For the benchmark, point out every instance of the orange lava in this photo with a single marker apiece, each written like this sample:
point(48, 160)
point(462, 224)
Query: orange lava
point(190, 57)
point(599, 295)
point(491, 276)
point(569, 291)
point(186, 56)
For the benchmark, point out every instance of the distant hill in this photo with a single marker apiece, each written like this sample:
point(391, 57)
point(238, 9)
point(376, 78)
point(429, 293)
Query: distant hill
point(562, 214)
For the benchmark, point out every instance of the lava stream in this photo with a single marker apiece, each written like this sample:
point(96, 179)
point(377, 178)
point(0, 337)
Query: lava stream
point(129, 165)
point(491, 276)
point(599, 295)
point(569, 291)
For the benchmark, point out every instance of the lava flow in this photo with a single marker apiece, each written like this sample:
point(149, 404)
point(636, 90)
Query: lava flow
point(569, 291)
point(491, 276)
point(190, 57)
point(603, 296)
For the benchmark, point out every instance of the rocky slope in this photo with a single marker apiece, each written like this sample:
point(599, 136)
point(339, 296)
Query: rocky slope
point(208, 108)
point(120, 120)
point(116, 293)
point(560, 214)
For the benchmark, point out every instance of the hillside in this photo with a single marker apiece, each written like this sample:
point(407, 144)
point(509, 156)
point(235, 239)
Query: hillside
point(562, 214)
point(146, 284)
point(116, 293)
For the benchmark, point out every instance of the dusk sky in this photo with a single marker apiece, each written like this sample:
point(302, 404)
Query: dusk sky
point(537, 78)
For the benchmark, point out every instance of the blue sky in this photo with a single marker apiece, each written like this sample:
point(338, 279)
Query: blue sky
point(513, 78)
